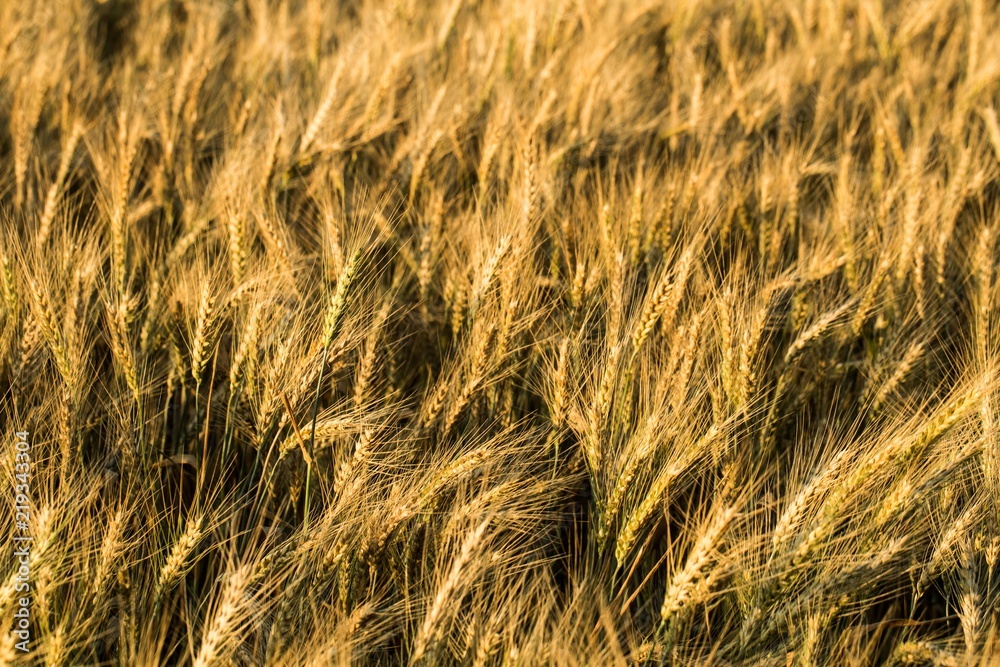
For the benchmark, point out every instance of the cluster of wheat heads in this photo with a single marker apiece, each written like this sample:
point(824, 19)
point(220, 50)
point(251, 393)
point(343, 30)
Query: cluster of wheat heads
point(502, 332)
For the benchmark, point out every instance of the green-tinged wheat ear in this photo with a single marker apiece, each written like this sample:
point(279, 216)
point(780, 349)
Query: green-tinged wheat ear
point(178, 561)
point(203, 331)
point(900, 496)
point(945, 419)
point(281, 556)
point(337, 307)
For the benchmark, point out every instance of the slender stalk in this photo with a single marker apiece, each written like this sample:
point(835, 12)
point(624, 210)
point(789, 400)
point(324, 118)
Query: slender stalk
point(312, 434)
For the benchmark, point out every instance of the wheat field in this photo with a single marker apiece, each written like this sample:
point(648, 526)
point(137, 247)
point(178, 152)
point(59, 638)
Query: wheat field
point(500, 332)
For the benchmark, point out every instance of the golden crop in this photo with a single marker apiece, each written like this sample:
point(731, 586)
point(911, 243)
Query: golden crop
point(502, 332)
